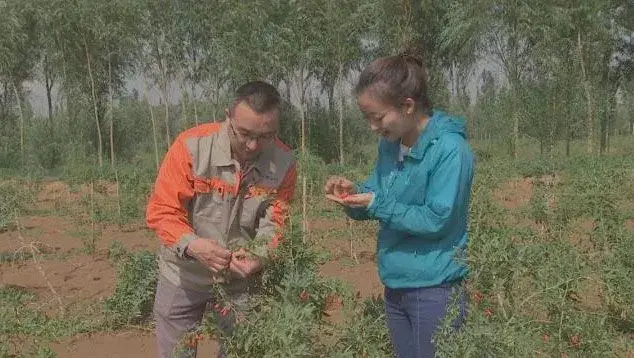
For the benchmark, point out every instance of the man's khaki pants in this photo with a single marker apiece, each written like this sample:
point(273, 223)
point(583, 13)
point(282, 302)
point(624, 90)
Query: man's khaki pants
point(178, 311)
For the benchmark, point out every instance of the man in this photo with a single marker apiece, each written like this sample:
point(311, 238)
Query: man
point(219, 204)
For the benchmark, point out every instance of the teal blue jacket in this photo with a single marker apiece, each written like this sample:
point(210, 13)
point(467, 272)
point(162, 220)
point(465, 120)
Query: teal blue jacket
point(422, 204)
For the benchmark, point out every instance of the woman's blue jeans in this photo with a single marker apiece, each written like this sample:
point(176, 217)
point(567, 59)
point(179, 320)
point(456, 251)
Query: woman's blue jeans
point(414, 314)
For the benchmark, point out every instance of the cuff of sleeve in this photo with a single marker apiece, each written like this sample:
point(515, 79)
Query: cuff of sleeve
point(371, 201)
point(374, 209)
point(181, 245)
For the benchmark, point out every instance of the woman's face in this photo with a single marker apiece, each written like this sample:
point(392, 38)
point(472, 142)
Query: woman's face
point(384, 119)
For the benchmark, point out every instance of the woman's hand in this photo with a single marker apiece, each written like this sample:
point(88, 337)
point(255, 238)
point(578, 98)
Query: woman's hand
point(337, 188)
point(362, 200)
point(340, 187)
point(344, 192)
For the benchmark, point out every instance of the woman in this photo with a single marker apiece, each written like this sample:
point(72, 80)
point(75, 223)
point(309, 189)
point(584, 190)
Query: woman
point(419, 192)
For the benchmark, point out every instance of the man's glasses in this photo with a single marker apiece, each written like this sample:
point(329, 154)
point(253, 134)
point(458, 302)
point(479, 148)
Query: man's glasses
point(248, 137)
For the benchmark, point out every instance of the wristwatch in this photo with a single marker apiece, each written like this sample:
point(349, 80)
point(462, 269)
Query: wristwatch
point(183, 243)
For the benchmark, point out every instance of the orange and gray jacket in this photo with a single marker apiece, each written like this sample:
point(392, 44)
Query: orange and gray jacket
point(201, 192)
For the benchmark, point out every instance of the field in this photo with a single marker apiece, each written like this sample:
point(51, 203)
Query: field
point(551, 252)
point(93, 93)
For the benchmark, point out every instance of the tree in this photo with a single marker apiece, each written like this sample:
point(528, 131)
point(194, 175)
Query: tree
point(203, 55)
point(121, 27)
point(18, 57)
point(49, 54)
point(341, 37)
point(96, 42)
point(502, 30)
point(162, 50)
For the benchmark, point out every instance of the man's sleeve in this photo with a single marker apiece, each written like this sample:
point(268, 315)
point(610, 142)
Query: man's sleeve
point(270, 229)
point(166, 212)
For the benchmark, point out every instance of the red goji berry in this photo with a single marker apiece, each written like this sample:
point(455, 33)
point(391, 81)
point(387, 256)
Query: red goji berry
point(303, 296)
point(477, 296)
point(224, 311)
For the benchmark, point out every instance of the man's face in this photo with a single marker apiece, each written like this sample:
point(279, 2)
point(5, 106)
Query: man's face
point(251, 132)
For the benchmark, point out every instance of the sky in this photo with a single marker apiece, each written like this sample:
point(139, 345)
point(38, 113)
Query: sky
point(37, 92)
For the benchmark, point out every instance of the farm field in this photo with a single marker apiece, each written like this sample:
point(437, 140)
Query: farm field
point(93, 93)
point(550, 253)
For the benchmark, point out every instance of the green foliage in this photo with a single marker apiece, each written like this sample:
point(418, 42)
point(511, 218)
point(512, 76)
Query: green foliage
point(539, 204)
point(16, 197)
point(44, 352)
point(9, 145)
point(618, 270)
point(133, 297)
point(17, 318)
point(530, 264)
point(594, 189)
point(289, 327)
point(536, 167)
point(542, 292)
point(366, 334)
point(285, 318)
point(117, 252)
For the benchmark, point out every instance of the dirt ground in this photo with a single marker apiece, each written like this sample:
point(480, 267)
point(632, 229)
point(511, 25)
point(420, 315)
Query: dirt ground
point(47, 256)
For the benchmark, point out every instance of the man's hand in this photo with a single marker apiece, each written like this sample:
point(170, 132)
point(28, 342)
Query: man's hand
point(210, 254)
point(339, 187)
point(243, 264)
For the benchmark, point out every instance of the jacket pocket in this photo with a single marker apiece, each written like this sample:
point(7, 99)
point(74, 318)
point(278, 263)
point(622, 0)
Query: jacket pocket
point(210, 208)
point(253, 209)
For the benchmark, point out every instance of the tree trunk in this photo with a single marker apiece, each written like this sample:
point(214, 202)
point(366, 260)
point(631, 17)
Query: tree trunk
point(195, 105)
point(516, 133)
point(341, 99)
point(4, 100)
point(154, 134)
point(21, 114)
point(48, 83)
point(551, 135)
point(166, 99)
point(64, 91)
point(49, 99)
point(514, 141)
point(330, 88)
point(603, 134)
point(302, 115)
point(184, 98)
point(611, 114)
point(216, 101)
point(94, 101)
point(111, 114)
point(194, 79)
point(589, 97)
point(568, 139)
point(288, 90)
point(165, 92)
point(453, 74)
